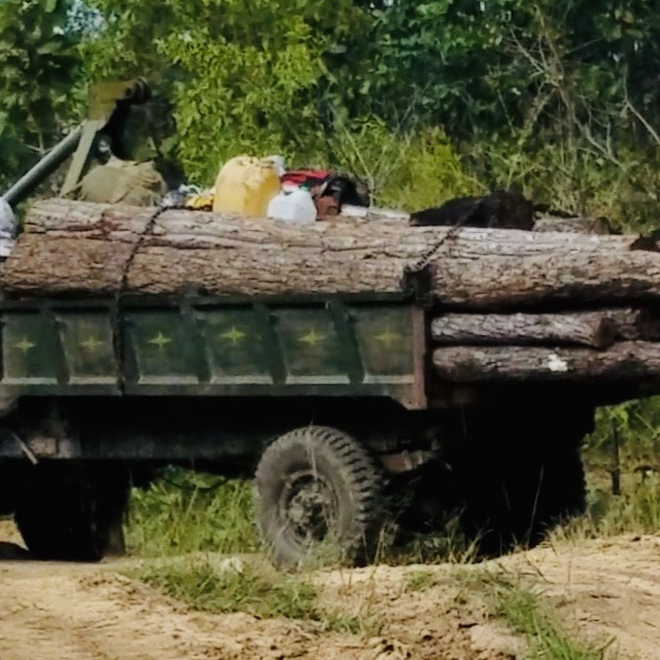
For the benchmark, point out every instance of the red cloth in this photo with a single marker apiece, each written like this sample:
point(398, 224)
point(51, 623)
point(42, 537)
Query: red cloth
point(299, 177)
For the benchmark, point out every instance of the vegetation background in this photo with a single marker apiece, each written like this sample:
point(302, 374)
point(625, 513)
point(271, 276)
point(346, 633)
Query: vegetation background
point(423, 100)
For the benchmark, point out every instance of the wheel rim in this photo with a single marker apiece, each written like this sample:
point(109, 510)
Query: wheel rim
point(308, 508)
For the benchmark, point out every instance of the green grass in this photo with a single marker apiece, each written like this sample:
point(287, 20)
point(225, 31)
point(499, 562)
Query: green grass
point(186, 512)
point(635, 511)
point(210, 584)
point(527, 614)
point(420, 580)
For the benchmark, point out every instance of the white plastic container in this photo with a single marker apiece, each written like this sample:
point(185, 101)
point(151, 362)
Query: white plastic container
point(295, 206)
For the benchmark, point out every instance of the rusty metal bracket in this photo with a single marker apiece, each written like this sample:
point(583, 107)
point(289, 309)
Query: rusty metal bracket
point(406, 461)
point(29, 454)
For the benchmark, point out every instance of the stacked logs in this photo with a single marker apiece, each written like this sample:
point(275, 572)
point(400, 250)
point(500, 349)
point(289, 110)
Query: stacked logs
point(506, 305)
point(604, 344)
point(608, 345)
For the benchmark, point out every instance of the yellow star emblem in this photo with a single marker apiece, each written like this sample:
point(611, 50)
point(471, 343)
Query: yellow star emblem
point(160, 340)
point(91, 344)
point(388, 337)
point(312, 338)
point(24, 345)
point(234, 335)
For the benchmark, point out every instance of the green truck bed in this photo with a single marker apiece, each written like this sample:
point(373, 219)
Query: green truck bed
point(197, 347)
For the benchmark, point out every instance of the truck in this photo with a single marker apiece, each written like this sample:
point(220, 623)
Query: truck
point(329, 402)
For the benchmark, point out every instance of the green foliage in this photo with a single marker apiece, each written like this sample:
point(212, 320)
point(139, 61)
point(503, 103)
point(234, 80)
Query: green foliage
point(636, 425)
point(187, 512)
point(39, 68)
point(243, 76)
point(635, 511)
point(560, 98)
point(404, 170)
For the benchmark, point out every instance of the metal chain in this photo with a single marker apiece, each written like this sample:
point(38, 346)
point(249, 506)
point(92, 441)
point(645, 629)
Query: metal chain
point(423, 261)
point(119, 330)
point(138, 244)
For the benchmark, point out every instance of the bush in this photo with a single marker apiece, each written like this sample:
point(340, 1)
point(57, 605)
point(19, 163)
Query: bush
point(190, 512)
point(410, 171)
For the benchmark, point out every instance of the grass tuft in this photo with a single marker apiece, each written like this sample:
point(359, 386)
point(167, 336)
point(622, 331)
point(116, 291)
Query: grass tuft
point(529, 616)
point(420, 580)
point(222, 586)
point(635, 511)
point(185, 512)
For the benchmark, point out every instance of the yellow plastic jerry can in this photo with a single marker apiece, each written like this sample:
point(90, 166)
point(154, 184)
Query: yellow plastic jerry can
point(245, 186)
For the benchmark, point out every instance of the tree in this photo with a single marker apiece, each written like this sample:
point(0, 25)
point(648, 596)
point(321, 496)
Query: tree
point(243, 75)
point(39, 71)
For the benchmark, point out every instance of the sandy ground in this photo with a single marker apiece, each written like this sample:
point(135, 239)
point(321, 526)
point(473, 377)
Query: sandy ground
point(609, 591)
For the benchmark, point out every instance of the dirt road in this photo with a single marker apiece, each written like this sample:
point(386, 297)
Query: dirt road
point(607, 590)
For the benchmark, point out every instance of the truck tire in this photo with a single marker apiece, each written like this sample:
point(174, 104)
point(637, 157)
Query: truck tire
point(319, 490)
point(64, 515)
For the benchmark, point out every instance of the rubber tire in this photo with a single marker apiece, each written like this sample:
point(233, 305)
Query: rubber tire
point(65, 516)
point(347, 468)
point(59, 526)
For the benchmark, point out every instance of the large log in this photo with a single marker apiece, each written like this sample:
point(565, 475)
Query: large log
point(84, 248)
point(69, 247)
point(593, 329)
point(598, 329)
point(573, 279)
point(579, 225)
point(623, 362)
point(633, 324)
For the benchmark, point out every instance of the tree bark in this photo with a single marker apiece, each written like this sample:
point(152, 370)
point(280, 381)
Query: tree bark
point(74, 248)
point(623, 361)
point(597, 329)
point(573, 279)
point(593, 329)
point(633, 324)
point(572, 225)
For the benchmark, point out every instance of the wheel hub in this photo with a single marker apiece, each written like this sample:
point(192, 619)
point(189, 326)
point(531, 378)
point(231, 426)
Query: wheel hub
point(310, 507)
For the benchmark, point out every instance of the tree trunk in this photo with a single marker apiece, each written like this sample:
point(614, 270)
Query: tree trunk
point(622, 362)
point(592, 329)
point(633, 324)
point(573, 225)
point(597, 329)
point(74, 248)
point(574, 279)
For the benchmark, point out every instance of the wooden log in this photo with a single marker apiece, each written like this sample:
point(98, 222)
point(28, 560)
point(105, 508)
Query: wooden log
point(633, 324)
point(622, 362)
point(499, 283)
point(596, 329)
point(81, 248)
point(572, 225)
point(593, 329)
point(75, 248)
